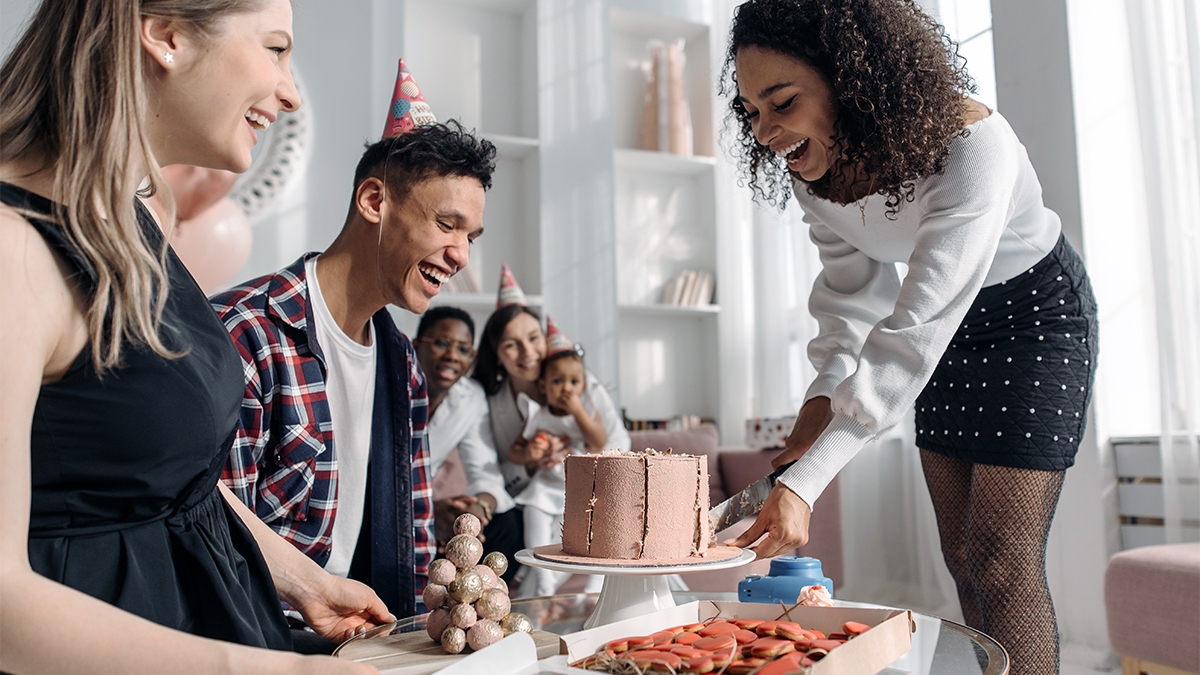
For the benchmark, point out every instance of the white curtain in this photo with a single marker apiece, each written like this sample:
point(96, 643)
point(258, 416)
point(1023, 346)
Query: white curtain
point(1165, 40)
point(890, 543)
point(785, 265)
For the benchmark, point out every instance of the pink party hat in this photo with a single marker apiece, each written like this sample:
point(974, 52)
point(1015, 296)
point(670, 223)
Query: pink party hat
point(409, 108)
point(510, 290)
point(556, 340)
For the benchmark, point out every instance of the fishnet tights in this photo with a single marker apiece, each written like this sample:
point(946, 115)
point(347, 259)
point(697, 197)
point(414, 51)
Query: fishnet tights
point(994, 522)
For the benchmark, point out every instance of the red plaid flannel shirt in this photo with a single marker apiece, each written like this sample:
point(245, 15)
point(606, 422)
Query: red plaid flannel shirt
point(280, 464)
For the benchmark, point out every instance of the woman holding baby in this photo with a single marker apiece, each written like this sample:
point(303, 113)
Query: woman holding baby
point(537, 418)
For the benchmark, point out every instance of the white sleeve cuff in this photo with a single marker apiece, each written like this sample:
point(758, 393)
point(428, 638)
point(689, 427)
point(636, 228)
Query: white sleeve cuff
point(833, 449)
point(823, 385)
point(835, 367)
point(504, 501)
point(483, 472)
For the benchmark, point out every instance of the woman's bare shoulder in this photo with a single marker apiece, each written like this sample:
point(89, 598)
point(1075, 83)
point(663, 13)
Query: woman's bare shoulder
point(36, 296)
point(973, 111)
point(22, 247)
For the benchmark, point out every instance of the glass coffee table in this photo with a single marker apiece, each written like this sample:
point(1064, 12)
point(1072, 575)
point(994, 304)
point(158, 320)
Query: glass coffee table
point(939, 647)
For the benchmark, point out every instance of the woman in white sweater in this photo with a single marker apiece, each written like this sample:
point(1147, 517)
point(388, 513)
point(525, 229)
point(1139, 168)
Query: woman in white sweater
point(860, 108)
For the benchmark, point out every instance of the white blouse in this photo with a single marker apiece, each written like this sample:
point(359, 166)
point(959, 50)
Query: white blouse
point(461, 421)
point(507, 421)
point(978, 223)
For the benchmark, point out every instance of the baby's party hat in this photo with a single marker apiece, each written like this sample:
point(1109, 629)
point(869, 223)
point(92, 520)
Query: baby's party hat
point(409, 109)
point(510, 290)
point(556, 340)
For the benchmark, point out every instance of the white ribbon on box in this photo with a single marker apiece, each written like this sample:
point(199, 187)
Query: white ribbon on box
point(514, 655)
point(768, 432)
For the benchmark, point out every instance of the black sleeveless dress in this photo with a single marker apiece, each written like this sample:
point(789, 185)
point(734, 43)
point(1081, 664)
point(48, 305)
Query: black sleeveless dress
point(125, 465)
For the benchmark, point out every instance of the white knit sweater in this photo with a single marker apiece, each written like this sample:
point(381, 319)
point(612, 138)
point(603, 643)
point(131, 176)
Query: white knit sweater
point(979, 222)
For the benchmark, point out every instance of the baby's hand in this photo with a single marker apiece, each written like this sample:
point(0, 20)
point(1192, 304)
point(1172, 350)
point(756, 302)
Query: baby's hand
point(572, 403)
point(539, 446)
point(556, 444)
point(554, 458)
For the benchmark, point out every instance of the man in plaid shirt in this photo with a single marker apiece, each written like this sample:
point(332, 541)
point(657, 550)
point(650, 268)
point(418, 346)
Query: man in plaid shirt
point(332, 451)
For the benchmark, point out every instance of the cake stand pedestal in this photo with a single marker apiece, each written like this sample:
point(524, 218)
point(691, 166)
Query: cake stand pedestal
point(631, 590)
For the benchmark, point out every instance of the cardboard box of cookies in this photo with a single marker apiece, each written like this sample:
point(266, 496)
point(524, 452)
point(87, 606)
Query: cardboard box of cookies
point(886, 637)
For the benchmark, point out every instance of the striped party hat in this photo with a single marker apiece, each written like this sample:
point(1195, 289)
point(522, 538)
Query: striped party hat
point(556, 340)
point(510, 291)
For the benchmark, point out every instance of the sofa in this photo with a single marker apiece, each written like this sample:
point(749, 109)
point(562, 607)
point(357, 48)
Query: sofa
point(730, 469)
point(1152, 599)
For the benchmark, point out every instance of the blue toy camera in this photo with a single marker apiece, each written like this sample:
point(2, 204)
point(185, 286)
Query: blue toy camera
point(789, 575)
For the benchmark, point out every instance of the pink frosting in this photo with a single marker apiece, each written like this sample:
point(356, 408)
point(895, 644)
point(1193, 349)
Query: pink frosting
point(815, 596)
point(634, 506)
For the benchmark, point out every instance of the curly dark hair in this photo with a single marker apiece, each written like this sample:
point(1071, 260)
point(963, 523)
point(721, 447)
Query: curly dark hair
point(432, 151)
point(898, 84)
point(435, 315)
point(488, 371)
point(558, 356)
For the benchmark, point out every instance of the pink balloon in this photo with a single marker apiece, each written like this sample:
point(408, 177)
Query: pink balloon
point(215, 244)
point(195, 189)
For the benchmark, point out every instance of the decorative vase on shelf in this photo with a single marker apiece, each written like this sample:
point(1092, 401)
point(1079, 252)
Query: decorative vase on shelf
point(666, 119)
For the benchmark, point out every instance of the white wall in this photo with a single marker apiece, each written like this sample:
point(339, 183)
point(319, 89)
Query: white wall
point(13, 14)
point(345, 68)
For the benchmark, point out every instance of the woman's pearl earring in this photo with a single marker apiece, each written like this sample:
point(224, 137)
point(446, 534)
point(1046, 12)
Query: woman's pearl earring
point(168, 57)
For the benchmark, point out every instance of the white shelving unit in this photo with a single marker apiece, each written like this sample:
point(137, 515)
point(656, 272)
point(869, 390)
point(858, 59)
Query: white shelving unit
point(666, 221)
point(475, 61)
point(513, 147)
point(592, 226)
point(627, 159)
point(670, 310)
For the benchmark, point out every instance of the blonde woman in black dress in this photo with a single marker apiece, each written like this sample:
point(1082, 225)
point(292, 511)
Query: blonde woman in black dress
point(119, 553)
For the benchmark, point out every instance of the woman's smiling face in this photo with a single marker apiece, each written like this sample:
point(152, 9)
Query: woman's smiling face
point(219, 93)
point(791, 107)
point(522, 347)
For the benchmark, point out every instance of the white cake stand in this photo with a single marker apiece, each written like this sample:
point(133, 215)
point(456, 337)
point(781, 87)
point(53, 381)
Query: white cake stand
point(630, 590)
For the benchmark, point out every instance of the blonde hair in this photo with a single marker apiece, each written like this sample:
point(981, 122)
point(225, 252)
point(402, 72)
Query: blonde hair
point(74, 96)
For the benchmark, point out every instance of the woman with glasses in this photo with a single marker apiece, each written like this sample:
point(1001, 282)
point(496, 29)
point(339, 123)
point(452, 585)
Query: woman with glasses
point(457, 418)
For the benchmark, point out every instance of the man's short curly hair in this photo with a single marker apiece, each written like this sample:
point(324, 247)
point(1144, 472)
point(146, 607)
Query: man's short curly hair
point(432, 151)
point(898, 85)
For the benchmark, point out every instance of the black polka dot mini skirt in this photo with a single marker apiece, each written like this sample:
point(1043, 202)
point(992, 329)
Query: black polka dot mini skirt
point(1012, 389)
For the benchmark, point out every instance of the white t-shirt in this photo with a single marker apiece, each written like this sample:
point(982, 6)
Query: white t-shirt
point(978, 223)
point(460, 421)
point(350, 388)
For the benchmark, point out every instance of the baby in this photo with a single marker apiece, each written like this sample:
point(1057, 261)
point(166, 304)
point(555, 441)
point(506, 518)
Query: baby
point(579, 412)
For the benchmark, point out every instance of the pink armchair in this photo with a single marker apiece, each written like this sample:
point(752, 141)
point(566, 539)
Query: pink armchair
point(1152, 598)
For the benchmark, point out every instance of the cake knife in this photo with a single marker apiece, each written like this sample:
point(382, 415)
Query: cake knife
point(746, 503)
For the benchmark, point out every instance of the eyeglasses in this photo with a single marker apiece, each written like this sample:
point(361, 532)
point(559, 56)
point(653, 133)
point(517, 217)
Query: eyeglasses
point(442, 345)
